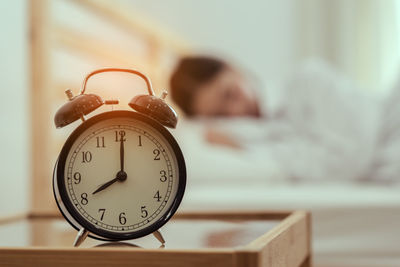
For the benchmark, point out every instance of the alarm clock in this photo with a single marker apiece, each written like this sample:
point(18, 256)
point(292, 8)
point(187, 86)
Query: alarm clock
point(121, 174)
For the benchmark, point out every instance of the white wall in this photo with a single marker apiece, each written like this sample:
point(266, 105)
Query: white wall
point(258, 34)
point(359, 37)
point(272, 37)
point(14, 107)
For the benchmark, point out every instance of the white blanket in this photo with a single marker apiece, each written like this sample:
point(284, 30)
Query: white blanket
point(323, 128)
point(385, 165)
point(323, 140)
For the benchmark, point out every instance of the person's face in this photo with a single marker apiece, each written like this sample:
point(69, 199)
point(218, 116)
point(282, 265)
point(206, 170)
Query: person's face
point(227, 95)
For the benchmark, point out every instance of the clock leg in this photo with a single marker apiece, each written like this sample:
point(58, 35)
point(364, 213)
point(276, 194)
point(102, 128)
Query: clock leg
point(80, 237)
point(157, 234)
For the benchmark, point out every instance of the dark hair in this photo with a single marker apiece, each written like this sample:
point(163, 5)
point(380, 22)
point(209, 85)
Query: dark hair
point(189, 75)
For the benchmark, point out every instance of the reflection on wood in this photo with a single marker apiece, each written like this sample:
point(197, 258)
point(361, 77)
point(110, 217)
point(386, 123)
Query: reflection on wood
point(235, 215)
point(52, 230)
point(249, 241)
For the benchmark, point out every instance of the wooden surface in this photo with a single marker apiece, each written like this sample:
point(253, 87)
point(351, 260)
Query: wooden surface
point(290, 235)
point(115, 257)
point(285, 242)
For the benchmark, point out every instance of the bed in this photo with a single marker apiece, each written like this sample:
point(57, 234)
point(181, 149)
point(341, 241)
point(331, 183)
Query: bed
point(354, 223)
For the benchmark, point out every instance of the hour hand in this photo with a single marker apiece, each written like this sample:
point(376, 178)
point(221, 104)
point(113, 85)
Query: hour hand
point(104, 186)
point(121, 176)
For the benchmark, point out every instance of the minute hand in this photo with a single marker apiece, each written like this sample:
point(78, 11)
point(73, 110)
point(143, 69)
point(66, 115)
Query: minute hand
point(122, 153)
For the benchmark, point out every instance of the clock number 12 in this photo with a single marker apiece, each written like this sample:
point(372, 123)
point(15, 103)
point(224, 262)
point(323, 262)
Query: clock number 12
point(121, 134)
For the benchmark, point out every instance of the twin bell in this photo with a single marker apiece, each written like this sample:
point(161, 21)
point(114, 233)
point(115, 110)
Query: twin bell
point(148, 104)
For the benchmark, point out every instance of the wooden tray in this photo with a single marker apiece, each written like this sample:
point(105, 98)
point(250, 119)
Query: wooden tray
point(192, 239)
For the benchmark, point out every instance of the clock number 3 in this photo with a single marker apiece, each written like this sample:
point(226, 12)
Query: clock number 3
point(163, 177)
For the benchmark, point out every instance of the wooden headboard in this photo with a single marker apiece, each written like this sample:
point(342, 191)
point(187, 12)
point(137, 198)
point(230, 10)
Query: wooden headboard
point(70, 38)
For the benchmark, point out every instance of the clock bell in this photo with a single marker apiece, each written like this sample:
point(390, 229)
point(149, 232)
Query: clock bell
point(83, 104)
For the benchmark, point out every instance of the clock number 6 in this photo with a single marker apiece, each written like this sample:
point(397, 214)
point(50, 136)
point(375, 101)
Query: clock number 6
point(122, 218)
point(144, 212)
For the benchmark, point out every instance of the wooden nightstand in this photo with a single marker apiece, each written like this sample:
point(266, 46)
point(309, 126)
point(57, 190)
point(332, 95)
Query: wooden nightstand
point(223, 239)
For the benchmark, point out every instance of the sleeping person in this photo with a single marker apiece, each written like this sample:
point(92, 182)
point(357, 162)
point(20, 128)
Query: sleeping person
point(317, 125)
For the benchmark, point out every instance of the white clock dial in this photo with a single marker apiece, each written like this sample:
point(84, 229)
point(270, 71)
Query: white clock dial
point(122, 204)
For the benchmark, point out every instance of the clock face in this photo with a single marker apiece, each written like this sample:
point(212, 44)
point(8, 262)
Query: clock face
point(121, 175)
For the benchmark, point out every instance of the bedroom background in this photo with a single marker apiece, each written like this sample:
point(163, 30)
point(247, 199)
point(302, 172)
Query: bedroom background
point(360, 38)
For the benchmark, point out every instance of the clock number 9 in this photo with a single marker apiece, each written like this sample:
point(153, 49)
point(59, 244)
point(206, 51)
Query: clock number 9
point(77, 178)
point(163, 177)
point(144, 212)
point(122, 218)
point(84, 199)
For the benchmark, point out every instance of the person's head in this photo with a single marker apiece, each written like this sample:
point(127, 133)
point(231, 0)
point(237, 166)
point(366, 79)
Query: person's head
point(209, 87)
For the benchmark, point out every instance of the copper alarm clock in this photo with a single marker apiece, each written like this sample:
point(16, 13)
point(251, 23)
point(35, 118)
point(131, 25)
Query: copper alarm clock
point(121, 174)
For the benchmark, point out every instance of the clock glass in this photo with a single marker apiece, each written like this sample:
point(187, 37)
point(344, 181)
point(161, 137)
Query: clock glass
point(120, 175)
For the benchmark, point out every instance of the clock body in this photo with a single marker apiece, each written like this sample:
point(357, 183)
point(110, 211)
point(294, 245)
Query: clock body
point(87, 186)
